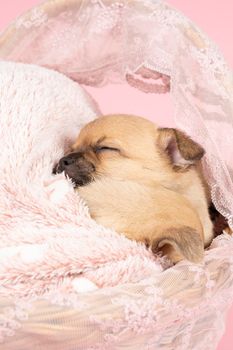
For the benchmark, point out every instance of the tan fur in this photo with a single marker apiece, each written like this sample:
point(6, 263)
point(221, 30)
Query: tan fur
point(152, 189)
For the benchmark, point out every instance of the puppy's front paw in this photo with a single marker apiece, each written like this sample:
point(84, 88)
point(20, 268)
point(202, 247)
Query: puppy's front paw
point(58, 189)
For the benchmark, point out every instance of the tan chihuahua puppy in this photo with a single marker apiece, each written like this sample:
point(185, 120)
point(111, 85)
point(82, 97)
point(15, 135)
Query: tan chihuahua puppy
point(143, 181)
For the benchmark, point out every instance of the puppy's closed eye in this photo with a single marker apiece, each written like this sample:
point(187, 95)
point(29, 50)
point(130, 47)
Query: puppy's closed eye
point(99, 149)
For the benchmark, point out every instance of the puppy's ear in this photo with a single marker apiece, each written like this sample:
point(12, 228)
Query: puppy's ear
point(180, 243)
point(180, 148)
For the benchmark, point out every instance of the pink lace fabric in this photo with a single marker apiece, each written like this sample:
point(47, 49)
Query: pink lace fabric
point(156, 49)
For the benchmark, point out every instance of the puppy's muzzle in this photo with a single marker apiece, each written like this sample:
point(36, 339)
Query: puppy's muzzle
point(77, 168)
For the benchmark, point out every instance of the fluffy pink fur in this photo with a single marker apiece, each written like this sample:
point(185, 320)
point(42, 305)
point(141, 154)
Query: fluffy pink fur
point(46, 232)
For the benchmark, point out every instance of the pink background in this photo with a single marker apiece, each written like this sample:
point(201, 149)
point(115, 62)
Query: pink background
point(214, 17)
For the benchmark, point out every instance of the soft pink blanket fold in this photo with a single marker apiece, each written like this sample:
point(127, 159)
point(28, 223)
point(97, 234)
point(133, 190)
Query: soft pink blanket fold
point(47, 236)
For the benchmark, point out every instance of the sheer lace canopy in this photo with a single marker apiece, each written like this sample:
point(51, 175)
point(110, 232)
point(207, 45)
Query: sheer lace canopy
point(154, 48)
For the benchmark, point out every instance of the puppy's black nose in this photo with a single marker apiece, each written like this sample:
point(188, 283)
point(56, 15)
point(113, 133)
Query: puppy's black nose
point(66, 161)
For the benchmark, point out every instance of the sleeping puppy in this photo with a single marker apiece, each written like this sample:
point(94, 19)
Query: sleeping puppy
point(143, 181)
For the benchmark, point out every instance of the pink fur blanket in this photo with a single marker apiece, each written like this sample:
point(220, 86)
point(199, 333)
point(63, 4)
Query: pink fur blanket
point(47, 236)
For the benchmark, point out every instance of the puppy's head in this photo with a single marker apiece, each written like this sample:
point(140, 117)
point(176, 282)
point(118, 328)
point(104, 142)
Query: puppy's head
point(128, 148)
